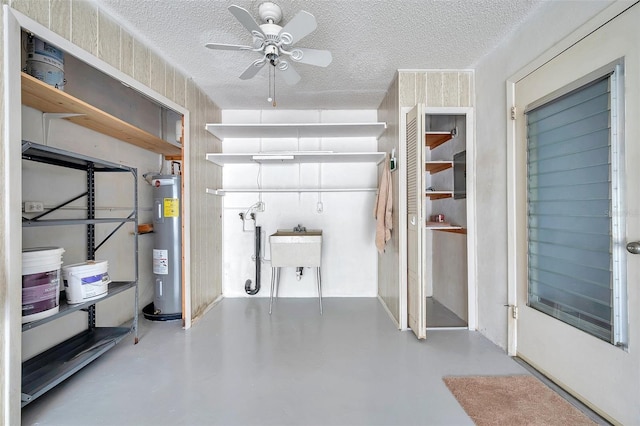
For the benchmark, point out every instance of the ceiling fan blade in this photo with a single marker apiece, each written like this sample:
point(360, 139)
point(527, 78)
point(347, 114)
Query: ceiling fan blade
point(289, 74)
point(319, 58)
point(222, 46)
point(300, 26)
point(253, 69)
point(245, 19)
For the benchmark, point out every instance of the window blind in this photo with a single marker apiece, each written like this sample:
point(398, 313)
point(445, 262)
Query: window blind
point(569, 208)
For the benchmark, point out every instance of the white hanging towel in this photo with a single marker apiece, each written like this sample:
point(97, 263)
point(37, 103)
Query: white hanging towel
point(383, 209)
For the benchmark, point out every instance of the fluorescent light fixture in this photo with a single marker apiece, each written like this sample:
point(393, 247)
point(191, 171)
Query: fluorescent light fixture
point(272, 157)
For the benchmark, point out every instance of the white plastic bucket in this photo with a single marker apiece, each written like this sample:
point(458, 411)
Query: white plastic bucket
point(45, 62)
point(40, 282)
point(86, 281)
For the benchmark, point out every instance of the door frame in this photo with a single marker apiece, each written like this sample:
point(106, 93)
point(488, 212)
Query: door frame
point(12, 222)
point(515, 228)
point(472, 272)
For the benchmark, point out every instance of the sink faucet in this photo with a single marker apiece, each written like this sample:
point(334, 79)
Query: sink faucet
point(299, 228)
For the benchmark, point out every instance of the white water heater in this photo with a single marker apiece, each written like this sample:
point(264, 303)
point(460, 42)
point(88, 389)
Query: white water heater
point(167, 247)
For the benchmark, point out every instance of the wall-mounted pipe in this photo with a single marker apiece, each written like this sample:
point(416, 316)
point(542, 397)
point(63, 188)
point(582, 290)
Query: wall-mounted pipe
point(257, 242)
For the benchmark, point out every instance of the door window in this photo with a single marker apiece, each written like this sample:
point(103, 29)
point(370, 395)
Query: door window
point(574, 207)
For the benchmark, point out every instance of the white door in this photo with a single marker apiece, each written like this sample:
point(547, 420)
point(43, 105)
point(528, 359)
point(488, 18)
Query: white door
point(602, 374)
point(415, 221)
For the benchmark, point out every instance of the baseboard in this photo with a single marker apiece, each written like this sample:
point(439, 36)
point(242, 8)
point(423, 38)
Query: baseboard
point(384, 305)
point(207, 309)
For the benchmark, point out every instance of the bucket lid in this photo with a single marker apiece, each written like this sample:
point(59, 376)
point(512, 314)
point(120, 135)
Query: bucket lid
point(38, 251)
point(87, 264)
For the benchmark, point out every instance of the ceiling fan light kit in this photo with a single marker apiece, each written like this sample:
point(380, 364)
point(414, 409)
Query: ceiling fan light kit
point(274, 43)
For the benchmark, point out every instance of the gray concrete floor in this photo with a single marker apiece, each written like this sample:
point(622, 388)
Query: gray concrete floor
point(439, 315)
point(240, 366)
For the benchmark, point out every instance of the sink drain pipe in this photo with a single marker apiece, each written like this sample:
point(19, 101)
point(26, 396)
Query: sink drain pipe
point(257, 242)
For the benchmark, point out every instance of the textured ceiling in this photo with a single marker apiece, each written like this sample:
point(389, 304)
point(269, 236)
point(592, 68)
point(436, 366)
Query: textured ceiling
point(369, 41)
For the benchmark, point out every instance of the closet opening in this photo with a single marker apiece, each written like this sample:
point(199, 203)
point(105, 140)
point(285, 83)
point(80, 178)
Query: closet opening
point(445, 239)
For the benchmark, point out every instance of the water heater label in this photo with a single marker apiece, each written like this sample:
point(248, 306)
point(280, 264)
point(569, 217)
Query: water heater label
point(160, 262)
point(171, 207)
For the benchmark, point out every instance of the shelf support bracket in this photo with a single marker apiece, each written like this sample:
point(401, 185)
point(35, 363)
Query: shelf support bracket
point(46, 121)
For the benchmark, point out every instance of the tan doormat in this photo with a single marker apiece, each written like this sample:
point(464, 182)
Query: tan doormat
point(513, 400)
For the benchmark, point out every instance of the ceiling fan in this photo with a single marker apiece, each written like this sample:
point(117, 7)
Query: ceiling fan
point(275, 43)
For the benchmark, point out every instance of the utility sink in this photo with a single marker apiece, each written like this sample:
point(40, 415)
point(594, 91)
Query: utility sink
point(292, 248)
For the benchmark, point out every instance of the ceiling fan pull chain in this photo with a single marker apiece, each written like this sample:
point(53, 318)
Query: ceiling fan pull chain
point(272, 75)
point(270, 98)
point(274, 86)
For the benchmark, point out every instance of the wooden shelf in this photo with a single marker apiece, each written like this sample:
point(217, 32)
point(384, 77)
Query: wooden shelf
point(297, 130)
point(43, 97)
point(295, 157)
point(435, 139)
point(438, 195)
point(434, 167)
point(452, 229)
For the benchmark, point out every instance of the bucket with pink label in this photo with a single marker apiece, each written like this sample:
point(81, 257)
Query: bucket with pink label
point(40, 282)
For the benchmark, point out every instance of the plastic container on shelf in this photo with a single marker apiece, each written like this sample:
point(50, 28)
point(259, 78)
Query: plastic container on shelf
point(40, 282)
point(86, 281)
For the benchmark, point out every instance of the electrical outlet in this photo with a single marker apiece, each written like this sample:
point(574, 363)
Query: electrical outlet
point(319, 207)
point(33, 206)
point(259, 206)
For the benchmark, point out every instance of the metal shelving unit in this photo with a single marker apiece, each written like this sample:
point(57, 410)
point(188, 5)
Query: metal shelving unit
point(46, 370)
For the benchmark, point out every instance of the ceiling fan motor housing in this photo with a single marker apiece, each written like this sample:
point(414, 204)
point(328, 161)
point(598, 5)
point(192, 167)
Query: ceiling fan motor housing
point(271, 33)
point(270, 12)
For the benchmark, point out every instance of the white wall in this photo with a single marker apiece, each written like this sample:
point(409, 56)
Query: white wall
point(349, 263)
point(114, 195)
point(550, 24)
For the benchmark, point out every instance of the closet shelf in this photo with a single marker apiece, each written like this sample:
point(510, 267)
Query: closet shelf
point(297, 130)
point(452, 229)
point(286, 190)
point(437, 195)
point(435, 139)
point(434, 167)
point(43, 97)
point(295, 157)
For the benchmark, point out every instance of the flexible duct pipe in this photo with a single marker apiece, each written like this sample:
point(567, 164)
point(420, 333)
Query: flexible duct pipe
point(257, 245)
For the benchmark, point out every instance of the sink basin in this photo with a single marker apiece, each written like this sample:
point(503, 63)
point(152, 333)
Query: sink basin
point(295, 249)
